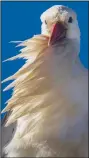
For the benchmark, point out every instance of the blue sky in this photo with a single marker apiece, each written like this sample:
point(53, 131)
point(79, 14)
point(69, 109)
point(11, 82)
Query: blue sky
point(21, 20)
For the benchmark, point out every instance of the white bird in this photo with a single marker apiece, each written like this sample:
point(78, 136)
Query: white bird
point(49, 102)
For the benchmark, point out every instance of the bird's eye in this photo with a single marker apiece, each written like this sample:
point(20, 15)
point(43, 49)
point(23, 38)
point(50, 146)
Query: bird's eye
point(70, 20)
point(45, 22)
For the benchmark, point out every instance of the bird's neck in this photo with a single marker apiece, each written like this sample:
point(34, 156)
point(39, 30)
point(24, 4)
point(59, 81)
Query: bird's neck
point(64, 60)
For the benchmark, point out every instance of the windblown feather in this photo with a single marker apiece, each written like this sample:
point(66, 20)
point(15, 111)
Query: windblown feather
point(30, 76)
point(36, 99)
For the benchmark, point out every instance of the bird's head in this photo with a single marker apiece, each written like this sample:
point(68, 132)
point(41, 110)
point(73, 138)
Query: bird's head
point(60, 22)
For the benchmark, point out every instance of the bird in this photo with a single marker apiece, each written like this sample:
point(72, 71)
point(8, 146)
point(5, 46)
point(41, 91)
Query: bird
point(48, 110)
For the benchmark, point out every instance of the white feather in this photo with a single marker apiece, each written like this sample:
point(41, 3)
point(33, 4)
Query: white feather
point(50, 94)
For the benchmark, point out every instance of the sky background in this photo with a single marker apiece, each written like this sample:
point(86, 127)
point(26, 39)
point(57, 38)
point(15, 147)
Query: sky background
point(21, 20)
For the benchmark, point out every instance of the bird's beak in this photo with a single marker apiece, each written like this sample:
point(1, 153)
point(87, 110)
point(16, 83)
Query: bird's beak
point(58, 32)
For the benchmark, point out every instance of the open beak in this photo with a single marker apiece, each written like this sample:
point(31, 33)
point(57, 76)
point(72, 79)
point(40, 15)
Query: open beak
point(58, 32)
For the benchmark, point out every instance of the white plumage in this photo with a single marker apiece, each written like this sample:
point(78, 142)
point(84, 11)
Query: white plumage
point(50, 93)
